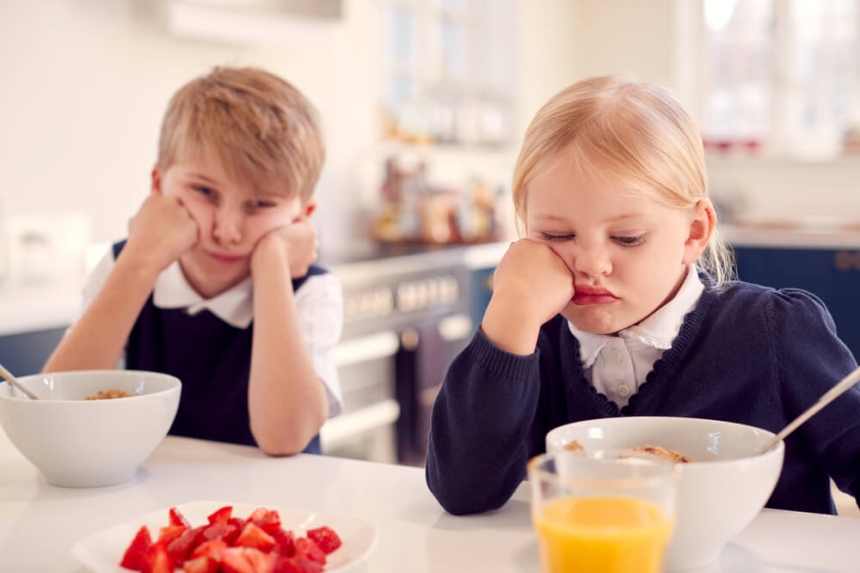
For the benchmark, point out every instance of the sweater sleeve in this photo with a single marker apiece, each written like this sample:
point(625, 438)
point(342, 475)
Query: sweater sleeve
point(810, 360)
point(479, 434)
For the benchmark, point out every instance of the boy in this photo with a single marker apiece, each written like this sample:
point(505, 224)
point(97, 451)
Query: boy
point(215, 283)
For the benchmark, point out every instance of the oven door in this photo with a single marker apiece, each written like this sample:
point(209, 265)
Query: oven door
point(366, 428)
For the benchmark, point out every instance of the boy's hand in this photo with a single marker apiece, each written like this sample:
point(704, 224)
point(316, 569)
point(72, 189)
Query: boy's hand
point(296, 242)
point(160, 232)
point(530, 285)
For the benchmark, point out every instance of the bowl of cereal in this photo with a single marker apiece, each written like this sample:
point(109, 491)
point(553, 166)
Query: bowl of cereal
point(89, 428)
point(723, 482)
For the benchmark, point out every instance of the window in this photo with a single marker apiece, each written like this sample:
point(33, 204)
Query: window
point(447, 73)
point(780, 75)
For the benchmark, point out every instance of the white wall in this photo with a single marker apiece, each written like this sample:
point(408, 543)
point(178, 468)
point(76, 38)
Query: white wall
point(85, 82)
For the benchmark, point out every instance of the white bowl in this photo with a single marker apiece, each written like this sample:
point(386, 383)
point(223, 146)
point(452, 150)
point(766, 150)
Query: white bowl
point(720, 491)
point(89, 443)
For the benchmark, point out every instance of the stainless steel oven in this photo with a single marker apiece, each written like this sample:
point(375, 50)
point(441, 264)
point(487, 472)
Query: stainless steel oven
point(405, 317)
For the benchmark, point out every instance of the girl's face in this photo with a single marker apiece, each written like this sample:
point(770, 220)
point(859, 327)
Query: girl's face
point(627, 253)
point(231, 220)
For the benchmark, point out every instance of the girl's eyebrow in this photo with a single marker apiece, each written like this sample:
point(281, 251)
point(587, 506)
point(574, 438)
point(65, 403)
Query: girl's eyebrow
point(554, 218)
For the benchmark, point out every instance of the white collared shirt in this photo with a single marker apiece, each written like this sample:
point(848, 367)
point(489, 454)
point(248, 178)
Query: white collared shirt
point(617, 365)
point(319, 302)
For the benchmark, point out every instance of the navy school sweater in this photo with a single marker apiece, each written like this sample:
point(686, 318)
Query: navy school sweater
point(749, 354)
point(211, 358)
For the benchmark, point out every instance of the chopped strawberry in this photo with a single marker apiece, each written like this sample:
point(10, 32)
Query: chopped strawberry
point(226, 531)
point(296, 565)
point(177, 518)
point(246, 560)
point(221, 515)
point(212, 549)
point(253, 536)
point(131, 559)
point(156, 559)
point(285, 542)
point(307, 549)
point(267, 519)
point(325, 538)
point(169, 533)
point(181, 547)
point(201, 565)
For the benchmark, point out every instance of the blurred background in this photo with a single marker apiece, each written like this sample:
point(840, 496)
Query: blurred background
point(424, 104)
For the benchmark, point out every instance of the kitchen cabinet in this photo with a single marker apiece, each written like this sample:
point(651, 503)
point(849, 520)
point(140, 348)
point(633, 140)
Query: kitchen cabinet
point(480, 292)
point(26, 352)
point(831, 274)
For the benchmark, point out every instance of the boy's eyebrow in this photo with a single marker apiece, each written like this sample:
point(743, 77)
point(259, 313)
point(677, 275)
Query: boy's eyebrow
point(203, 177)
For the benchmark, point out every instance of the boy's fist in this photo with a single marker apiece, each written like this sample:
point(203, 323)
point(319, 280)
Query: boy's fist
point(297, 242)
point(161, 231)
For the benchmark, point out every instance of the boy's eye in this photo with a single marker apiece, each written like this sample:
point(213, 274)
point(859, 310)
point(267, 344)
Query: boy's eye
point(203, 190)
point(553, 237)
point(262, 204)
point(629, 241)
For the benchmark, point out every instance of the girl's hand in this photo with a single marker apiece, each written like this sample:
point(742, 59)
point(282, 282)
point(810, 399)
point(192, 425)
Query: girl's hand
point(530, 286)
point(160, 232)
point(296, 242)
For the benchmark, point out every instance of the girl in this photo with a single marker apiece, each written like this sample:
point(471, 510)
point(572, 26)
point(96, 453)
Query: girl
point(617, 302)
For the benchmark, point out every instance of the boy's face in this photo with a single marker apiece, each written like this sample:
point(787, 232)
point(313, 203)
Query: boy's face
point(231, 220)
point(627, 253)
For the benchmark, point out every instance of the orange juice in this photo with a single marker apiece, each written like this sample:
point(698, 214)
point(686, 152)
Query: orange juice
point(602, 535)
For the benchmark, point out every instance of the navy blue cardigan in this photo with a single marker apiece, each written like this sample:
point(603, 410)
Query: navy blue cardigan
point(213, 361)
point(749, 354)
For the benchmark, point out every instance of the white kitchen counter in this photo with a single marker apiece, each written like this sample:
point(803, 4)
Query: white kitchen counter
point(41, 306)
point(39, 523)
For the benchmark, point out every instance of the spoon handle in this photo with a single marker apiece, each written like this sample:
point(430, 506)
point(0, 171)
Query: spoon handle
point(831, 395)
point(14, 381)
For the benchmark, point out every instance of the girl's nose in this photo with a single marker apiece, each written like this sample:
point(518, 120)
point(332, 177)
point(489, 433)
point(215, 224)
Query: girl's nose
point(592, 262)
point(227, 228)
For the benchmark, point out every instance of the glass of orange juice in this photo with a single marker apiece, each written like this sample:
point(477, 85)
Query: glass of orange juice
point(605, 512)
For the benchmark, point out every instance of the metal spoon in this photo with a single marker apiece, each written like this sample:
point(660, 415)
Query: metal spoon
point(831, 395)
point(14, 381)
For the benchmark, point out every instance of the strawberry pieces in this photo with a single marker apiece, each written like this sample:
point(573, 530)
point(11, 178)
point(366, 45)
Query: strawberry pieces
point(325, 538)
point(133, 555)
point(228, 544)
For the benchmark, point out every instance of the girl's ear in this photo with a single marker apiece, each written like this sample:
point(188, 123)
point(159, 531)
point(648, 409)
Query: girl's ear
point(702, 227)
point(156, 180)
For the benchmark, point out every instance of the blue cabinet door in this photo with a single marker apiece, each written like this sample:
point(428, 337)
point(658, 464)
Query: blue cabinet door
point(480, 292)
point(833, 275)
point(26, 353)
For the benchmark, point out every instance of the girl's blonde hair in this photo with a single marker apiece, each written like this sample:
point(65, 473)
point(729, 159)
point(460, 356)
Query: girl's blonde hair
point(633, 134)
point(261, 128)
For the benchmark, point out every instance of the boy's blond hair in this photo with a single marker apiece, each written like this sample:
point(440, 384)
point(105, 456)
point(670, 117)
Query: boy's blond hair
point(633, 134)
point(262, 129)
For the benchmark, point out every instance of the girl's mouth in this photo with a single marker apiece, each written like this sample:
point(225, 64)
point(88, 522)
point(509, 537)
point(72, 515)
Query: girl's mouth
point(585, 295)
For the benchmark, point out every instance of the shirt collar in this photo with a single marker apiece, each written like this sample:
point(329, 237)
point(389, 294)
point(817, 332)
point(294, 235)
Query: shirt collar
point(234, 306)
point(658, 330)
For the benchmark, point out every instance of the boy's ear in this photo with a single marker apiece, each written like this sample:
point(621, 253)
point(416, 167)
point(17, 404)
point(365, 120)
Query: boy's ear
point(701, 229)
point(309, 208)
point(156, 180)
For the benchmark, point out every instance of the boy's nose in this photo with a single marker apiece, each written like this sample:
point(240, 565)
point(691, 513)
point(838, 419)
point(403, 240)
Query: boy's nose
point(227, 228)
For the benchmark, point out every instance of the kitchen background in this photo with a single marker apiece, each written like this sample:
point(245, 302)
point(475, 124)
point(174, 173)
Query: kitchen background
point(424, 103)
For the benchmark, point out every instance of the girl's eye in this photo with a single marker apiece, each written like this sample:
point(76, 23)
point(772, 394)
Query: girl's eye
point(629, 241)
point(262, 204)
point(205, 191)
point(550, 237)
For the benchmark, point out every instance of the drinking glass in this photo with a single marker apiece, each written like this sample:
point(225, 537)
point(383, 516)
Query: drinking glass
point(605, 512)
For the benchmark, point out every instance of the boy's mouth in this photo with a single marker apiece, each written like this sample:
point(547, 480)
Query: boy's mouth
point(226, 257)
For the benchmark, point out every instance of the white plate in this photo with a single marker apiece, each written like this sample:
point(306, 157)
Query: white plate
point(103, 551)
